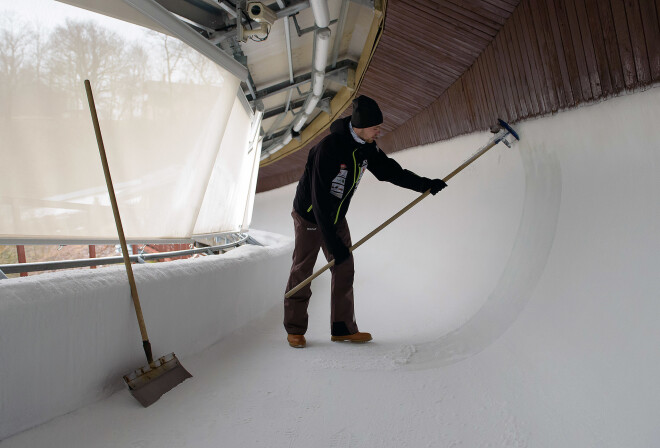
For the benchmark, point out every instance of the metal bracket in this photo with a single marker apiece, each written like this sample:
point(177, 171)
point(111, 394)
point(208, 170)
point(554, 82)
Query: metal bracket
point(367, 3)
point(3, 276)
point(311, 29)
point(338, 76)
point(324, 105)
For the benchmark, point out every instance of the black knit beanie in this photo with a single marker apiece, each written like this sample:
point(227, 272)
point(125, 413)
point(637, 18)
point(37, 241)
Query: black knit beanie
point(366, 113)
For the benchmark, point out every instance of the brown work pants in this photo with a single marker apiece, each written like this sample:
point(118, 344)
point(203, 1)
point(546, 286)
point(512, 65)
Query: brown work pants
point(309, 240)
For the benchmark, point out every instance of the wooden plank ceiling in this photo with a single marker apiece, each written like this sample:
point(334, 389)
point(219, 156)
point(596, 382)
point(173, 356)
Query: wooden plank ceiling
point(447, 67)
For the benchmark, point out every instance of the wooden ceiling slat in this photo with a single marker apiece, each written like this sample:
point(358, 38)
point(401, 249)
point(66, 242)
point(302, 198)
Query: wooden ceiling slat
point(550, 50)
point(544, 51)
point(625, 46)
point(519, 67)
point(589, 52)
point(567, 90)
point(651, 24)
point(508, 73)
point(483, 8)
point(464, 21)
point(503, 5)
point(475, 94)
point(498, 89)
point(580, 57)
point(483, 94)
point(570, 53)
point(471, 98)
point(429, 12)
point(479, 19)
point(438, 63)
point(611, 45)
point(486, 78)
point(421, 29)
point(404, 61)
point(657, 9)
point(499, 76)
point(534, 55)
point(455, 110)
point(599, 46)
point(638, 41)
point(533, 103)
point(512, 70)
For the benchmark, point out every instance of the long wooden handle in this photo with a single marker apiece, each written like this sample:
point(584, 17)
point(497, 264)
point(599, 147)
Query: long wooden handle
point(120, 228)
point(494, 141)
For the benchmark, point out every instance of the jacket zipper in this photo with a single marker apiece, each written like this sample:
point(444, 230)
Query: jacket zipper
point(352, 186)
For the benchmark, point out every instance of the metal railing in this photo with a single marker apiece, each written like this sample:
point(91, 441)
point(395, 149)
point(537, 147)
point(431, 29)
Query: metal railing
point(139, 258)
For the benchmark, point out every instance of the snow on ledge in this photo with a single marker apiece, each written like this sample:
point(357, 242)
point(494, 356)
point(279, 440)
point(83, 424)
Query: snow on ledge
point(67, 338)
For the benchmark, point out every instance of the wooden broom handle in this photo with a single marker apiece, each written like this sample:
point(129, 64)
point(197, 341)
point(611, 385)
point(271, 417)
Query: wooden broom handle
point(476, 155)
point(115, 211)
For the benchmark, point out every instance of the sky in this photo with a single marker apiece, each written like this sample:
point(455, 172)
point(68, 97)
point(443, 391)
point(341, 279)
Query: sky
point(51, 13)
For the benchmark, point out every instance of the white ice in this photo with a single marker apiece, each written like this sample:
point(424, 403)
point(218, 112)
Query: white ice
point(517, 308)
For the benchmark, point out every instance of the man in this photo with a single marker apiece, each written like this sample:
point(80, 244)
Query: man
point(332, 174)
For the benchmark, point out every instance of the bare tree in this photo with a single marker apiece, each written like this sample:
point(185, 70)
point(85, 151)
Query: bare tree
point(201, 70)
point(39, 51)
point(13, 50)
point(133, 82)
point(173, 52)
point(86, 51)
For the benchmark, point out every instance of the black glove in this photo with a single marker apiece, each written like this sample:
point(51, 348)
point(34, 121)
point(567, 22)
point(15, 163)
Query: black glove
point(435, 185)
point(341, 254)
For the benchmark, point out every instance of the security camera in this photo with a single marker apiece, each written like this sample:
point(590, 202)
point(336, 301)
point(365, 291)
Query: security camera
point(261, 13)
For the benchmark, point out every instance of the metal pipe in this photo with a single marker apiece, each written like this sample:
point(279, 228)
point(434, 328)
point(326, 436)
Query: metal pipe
point(321, 13)
point(319, 61)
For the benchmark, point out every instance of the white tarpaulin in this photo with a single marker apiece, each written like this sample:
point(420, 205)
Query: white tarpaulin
point(163, 110)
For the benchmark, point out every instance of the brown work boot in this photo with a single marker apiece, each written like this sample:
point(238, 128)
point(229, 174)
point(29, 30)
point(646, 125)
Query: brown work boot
point(296, 340)
point(357, 337)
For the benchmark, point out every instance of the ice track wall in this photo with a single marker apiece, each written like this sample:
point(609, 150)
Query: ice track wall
point(531, 284)
point(67, 338)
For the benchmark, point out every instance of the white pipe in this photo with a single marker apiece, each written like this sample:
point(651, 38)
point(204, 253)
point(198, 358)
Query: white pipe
point(319, 61)
point(321, 12)
point(300, 121)
point(321, 48)
point(317, 83)
point(287, 33)
point(311, 104)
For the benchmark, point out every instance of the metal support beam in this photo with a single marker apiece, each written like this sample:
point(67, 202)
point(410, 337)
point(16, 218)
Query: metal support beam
point(340, 32)
point(204, 14)
point(228, 8)
point(24, 268)
point(272, 112)
point(293, 8)
point(337, 74)
point(311, 29)
point(367, 3)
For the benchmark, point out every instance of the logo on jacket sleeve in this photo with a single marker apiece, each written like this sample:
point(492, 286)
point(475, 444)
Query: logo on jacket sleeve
point(338, 183)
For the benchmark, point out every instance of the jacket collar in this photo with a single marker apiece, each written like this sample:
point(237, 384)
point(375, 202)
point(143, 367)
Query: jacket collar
point(355, 136)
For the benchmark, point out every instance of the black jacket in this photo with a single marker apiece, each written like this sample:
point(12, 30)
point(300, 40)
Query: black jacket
point(332, 174)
